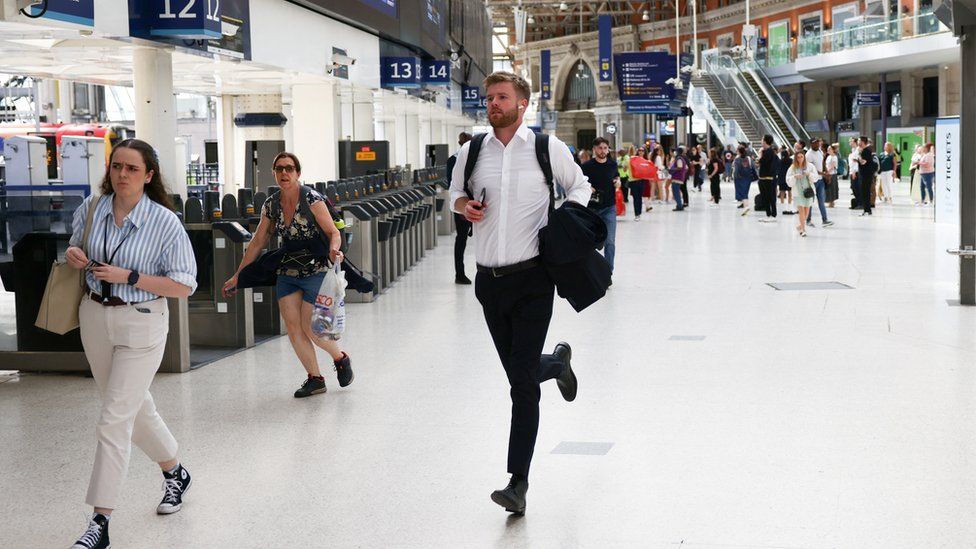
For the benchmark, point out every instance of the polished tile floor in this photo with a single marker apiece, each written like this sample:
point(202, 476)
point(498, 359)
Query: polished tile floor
point(714, 411)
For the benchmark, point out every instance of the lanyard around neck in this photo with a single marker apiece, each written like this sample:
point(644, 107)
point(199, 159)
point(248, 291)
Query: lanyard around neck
point(109, 259)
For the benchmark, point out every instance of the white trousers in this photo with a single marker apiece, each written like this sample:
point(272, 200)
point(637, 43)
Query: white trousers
point(124, 346)
point(886, 179)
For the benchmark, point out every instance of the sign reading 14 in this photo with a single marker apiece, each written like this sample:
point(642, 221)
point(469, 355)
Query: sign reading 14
point(213, 10)
point(437, 71)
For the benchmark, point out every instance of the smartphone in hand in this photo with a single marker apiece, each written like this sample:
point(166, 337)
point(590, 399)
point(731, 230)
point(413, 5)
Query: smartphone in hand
point(482, 200)
point(92, 264)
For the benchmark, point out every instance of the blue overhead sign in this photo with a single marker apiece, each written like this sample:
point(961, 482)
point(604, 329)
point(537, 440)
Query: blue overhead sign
point(400, 72)
point(651, 107)
point(642, 76)
point(868, 99)
point(79, 12)
point(544, 70)
point(606, 47)
point(470, 97)
point(223, 27)
point(437, 73)
point(182, 18)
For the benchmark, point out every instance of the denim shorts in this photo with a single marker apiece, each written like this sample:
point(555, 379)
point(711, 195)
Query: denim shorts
point(309, 286)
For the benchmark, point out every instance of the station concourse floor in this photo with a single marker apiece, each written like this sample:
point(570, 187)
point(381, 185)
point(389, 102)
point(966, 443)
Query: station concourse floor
point(717, 411)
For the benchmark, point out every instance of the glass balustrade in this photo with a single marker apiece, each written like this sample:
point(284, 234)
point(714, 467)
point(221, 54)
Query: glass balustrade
point(891, 30)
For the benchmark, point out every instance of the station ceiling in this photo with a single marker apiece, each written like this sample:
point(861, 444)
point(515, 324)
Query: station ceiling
point(67, 54)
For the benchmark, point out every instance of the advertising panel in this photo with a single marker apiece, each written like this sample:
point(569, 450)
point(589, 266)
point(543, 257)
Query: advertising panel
point(947, 170)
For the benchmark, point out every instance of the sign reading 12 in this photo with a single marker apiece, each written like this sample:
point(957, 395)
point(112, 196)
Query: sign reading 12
point(213, 10)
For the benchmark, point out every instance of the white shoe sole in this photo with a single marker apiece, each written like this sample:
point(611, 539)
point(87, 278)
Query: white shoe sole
point(160, 510)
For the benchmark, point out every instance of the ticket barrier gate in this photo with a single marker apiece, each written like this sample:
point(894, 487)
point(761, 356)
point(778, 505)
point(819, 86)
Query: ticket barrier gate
point(218, 326)
point(264, 299)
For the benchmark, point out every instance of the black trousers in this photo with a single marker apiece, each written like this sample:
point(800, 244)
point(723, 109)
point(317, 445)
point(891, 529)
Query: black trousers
point(866, 186)
point(767, 187)
point(460, 243)
point(518, 308)
point(637, 191)
point(625, 187)
point(684, 193)
point(716, 187)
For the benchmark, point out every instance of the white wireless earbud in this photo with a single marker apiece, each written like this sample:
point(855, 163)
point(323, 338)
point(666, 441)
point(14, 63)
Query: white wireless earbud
point(521, 107)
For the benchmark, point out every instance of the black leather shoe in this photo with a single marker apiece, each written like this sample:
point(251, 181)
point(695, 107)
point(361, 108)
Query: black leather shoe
point(567, 380)
point(461, 279)
point(512, 497)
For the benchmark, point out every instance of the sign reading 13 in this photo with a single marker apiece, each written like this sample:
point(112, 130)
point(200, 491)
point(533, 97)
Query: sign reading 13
point(402, 70)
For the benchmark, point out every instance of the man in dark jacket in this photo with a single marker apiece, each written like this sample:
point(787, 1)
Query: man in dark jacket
point(463, 225)
point(865, 174)
point(768, 162)
point(603, 176)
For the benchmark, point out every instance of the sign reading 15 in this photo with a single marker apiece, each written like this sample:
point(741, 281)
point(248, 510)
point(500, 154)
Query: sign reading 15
point(213, 10)
point(471, 94)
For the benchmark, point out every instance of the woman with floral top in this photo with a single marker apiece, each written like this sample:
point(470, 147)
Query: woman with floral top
point(302, 269)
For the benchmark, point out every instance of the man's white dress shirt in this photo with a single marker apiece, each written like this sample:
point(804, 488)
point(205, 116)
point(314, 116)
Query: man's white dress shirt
point(516, 194)
point(816, 158)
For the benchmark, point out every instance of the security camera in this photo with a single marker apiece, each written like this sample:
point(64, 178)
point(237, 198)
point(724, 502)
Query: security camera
point(687, 69)
point(738, 50)
point(229, 29)
point(672, 81)
point(342, 59)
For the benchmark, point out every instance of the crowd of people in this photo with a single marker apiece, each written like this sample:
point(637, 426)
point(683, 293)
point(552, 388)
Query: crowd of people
point(791, 180)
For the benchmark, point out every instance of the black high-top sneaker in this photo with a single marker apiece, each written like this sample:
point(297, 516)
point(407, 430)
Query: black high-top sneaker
point(343, 368)
point(512, 497)
point(96, 536)
point(312, 386)
point(175, 484)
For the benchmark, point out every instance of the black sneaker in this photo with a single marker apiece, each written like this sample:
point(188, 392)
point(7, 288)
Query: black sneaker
point(568, 385)
point(312, 386)
point(96, 536)
point(175, 484)
point(512, 497)
point(343, 368)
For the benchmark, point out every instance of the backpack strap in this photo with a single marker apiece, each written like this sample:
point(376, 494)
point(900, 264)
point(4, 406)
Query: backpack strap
point(474, 149)
point(306, 211)
point(545, 162)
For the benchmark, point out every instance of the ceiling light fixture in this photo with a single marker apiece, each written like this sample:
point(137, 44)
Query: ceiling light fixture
point(531, 20)
point(646, 16)
point(563, 6)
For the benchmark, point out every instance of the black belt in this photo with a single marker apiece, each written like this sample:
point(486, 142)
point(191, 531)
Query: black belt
point(499, 272)
point(112, 301)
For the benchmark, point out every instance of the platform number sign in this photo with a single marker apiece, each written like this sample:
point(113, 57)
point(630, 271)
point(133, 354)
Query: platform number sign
point(437, 73)
point(471, 97)
point(401, 72)
point(198, 19)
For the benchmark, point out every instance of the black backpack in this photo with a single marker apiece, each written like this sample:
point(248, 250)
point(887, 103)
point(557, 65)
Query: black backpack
point(541, 155)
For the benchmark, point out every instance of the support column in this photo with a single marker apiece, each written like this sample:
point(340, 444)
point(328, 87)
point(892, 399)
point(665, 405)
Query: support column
point(867, 113)
point(155, 107)
point(362, 116)
point(950, 79)
point(227, 152)
point(244, 104)
point(64, 101)
point(967, 173)
point(315, 120)
point(411, 130)
point(49, 100)
point(907, 98)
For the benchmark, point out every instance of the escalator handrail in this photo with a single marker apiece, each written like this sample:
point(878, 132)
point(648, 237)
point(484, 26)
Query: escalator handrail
point(767, 87)
point(736, 93)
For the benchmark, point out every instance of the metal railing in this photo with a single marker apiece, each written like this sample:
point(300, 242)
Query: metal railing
point(725, 73)
point(924, 23)
point(782, 108)
point(728, 132)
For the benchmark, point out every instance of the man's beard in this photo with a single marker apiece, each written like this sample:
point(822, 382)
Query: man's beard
point(508, 118)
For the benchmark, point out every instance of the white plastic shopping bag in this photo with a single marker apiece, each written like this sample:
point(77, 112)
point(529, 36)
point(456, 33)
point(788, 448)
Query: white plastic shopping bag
point(329, 312)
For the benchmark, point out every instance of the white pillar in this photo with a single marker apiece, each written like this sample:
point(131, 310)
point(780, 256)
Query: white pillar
point(247, 104)
point(362, 120)
point(415, 153)
point(49, 100)
point(399, 145)
point(155, 107)
point(315, 123)
point(227, 151)
point(64, 101)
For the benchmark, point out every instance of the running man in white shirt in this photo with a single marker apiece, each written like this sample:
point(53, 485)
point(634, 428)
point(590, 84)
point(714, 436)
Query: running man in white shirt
point(510, 205)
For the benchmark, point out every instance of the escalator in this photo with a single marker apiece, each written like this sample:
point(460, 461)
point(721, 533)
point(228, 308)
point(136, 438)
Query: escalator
point(773, 114)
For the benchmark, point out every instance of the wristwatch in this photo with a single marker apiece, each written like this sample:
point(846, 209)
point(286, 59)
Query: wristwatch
point(133, 278)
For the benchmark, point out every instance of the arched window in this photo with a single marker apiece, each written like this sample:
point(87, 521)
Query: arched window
point(580, 88)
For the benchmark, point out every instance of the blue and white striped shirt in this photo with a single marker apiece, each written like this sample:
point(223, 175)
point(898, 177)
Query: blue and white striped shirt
point(158, 245)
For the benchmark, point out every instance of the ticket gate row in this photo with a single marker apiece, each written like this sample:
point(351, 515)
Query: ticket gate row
point(390, 229)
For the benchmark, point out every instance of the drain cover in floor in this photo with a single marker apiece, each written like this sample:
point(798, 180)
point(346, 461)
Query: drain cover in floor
point(793, 286)
point(583, 448)
point(686, 338)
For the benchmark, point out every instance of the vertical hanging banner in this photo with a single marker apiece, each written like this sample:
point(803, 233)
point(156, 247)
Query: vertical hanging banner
point(544, 76)
point(606, 47)
point(437, 73)
point(400, 72)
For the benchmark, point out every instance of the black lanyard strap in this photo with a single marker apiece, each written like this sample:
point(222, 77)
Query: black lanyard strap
point(109, 259)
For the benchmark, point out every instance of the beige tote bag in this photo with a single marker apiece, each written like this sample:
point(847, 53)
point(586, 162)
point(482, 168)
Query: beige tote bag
point(65, 289)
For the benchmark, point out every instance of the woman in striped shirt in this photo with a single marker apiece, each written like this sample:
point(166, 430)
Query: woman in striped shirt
point(137, 254)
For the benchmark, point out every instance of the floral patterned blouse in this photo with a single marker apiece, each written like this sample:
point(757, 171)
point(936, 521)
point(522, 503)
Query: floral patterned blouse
point(299, 264)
